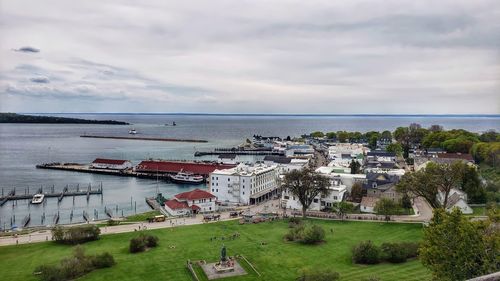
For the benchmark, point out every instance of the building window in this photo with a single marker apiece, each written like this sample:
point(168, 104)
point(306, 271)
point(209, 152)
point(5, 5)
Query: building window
point(287, 197)
point(243, 192)
point(315, 200)
point(213, 190)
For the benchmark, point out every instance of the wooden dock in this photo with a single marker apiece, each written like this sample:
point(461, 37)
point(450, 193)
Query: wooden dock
point(142, 138)
point(60, 195)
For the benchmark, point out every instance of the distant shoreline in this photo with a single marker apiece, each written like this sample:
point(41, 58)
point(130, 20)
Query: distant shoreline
point(13, 118)
point(274, 114)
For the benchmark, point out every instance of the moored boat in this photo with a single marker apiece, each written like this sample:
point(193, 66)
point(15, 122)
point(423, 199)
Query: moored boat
point(37, 198)
point(132, 132)
point(185, 177)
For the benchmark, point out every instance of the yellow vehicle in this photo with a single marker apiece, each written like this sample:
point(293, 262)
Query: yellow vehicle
point(158, 218)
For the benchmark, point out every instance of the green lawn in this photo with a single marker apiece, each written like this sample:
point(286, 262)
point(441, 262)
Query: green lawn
point(278, 260)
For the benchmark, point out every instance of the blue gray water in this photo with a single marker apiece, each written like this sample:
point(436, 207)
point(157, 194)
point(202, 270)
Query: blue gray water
point(22, 146)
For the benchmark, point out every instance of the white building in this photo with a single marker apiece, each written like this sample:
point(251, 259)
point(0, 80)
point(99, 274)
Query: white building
point(191, 202)
point(456, 199)
point(285, 164)
point(245, 184)
point(113, 164)
point(368, 204)
point(337, 191)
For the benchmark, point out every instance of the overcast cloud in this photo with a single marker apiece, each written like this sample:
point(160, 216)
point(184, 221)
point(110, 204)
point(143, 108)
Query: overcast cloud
point(250, 56)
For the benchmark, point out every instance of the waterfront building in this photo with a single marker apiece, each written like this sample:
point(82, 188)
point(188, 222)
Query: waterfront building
point(174, 167)
point(111, 164)
point(285, 164)
point(337, 193)
point(245, 184)
point(191, 202)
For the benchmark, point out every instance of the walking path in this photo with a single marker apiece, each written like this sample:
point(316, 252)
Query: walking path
point(423, 212)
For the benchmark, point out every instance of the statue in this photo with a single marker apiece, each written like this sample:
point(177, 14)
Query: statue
point(223, 254)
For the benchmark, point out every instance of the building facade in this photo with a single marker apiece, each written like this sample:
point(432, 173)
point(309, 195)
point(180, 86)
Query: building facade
point(191, 202)
point(112, 164)
point(245, 184)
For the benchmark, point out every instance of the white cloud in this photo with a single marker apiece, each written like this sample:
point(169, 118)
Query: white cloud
point(251, 56)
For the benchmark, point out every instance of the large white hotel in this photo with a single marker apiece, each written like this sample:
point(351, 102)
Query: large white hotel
point(245, 184)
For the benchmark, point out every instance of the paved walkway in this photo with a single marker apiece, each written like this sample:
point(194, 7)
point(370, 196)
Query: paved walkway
point(423, 212)
point(45, 235)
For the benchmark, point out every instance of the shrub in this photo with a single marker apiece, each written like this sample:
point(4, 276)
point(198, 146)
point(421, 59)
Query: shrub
point(137, 245)
point(313, 235)
point(103, 260)
point(113, 222)
point(49, 273)
point(76, 234)
point(320, 275)
point(75, 266)
point(142, 242)
point(295, 234)
point(151, 241)
point(393, 252)
point(411, 249)
point(294, 221)
point(366, 253)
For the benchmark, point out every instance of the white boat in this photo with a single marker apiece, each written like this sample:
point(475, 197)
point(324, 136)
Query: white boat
point(185, 177)
point(37, 198)
point(132, 132)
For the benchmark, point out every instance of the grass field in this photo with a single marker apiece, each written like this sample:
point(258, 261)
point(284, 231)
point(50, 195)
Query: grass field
point(278, 260)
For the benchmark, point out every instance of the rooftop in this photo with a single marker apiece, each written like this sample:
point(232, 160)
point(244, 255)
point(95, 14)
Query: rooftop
point(194, 195)
point(109, 161)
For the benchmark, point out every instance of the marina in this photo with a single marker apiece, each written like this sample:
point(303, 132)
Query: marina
point(12, 195)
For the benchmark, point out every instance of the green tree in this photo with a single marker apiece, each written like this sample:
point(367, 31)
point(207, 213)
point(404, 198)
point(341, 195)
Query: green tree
point(342, 136)
point(402, 135)
point(455, 248)
point(317, 134)
point(428, 181)
point(355, 167)
point(342, 208)
point(357, 192)
point(490, 136)
point(331, 135)
point(396, 148)
point(386, 135)
point(306, 185)
point(386, 207)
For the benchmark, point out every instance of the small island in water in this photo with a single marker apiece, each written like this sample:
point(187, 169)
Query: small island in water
point(34, 119)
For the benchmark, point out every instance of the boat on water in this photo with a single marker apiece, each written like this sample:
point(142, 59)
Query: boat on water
point(37, 198)
point(132, 132)
point(185, 177)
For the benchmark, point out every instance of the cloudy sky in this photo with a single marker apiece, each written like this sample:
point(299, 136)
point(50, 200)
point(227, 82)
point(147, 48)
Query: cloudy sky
point(250, 56)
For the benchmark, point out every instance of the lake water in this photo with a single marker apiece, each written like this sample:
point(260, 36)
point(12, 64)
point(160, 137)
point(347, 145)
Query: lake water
point(22, 146)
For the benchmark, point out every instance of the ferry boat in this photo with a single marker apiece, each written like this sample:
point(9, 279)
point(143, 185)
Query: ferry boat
point(132, 132)
point(37, 198)
point(185, 177)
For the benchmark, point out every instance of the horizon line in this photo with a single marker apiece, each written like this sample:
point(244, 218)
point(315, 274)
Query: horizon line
point(274, 114)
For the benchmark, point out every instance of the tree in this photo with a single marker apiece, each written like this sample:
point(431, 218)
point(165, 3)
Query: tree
point(331, 135)
point(455, 248)
point(372, 142)
point(490, 136)
point(419, 184)
point(402, 135)
point(342, 136)
point(436, 128)
point(395, 148)
point(357, 192)
point(317, 134)
point(342, 208)
point(386, 207)
point(471, 184)
point(386, 135)
point(355, 167)
point(445, 177)
point(306, 185)
point(430, 180)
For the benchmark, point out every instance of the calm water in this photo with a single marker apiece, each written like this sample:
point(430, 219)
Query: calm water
point(22, 146)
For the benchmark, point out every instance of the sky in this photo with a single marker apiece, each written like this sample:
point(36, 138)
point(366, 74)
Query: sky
point(307, 57)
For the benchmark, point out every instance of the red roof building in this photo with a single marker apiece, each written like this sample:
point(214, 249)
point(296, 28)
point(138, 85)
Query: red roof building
point(113, 164)
point(109, 161)
point(200, 168)
point(191, 202)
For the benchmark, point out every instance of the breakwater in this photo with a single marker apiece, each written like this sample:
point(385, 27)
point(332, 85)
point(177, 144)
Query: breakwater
point(143, 138)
